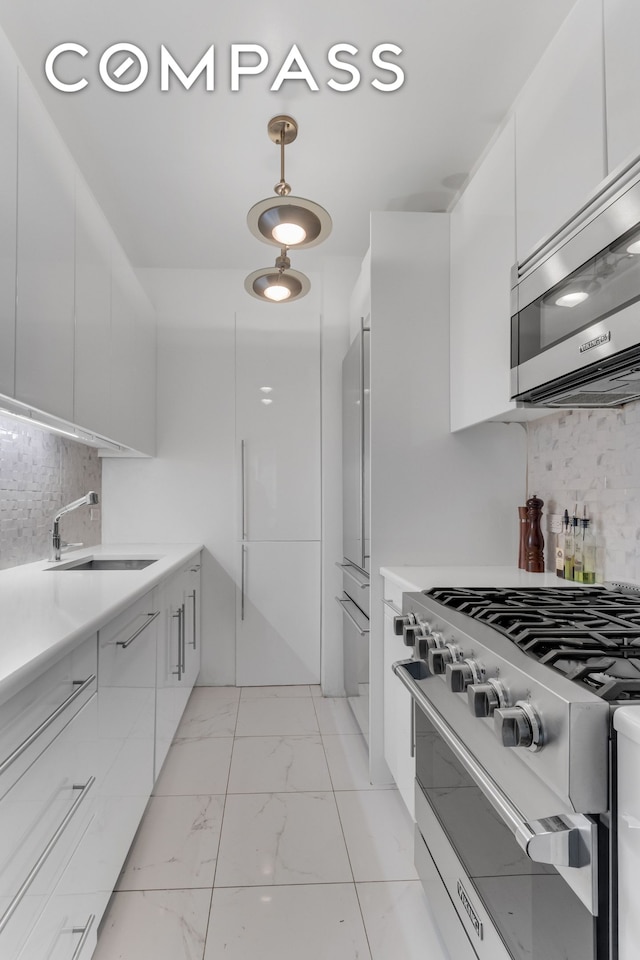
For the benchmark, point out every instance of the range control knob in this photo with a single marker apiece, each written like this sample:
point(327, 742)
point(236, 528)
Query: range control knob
point(441, 656)
point(460, 675)
point(484, 698)
point(402, 621)
point(431, 641)
point(519, 726)
point(412, 631)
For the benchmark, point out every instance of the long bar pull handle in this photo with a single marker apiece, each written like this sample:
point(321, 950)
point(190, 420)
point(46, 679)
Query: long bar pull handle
point(244, 551)
point(346, 568)
point(242, 490)
point(178, 616)
point(192, 597)
point(46, 723)
point(393, 607)
point(183, 623)
point(85, 931)
point(35, 869)
point(412, 746)
point(342, 603)
point(150, 618)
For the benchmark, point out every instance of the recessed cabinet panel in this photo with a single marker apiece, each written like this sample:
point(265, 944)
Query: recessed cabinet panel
point(45, 273)
point(278, 424)
point(278, 622)
point(622, 72)
point(483, 250)
point(398, 726)
point(93, 314)
point(8, 188)
point(133, 360)
point(560, 146)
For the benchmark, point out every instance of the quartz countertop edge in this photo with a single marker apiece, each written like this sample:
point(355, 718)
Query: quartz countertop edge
point(46, 613)
point(413, 579)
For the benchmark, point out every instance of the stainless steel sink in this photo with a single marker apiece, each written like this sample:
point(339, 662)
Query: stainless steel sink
point(117, 563)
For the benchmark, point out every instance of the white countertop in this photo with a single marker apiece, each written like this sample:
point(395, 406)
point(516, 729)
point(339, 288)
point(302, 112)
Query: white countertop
point(412, 579)
point(46, 613)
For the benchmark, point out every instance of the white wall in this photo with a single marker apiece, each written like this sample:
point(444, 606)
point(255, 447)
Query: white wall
point(188, 492)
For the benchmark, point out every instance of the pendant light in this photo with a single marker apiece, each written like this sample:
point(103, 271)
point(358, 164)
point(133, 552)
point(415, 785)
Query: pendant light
point(288, 221)
point(278, 284)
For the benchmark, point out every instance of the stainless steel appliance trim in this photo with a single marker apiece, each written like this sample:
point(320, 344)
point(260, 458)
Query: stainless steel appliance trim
point(85, 931)
point(392, 606)
point(26, 743)
point(242, 559)
point(178, 616)
point(192, 597)
point(564, 357)
point(242, 490)
point(550, 840)
point(348, 568)
point(343, 603)
point(150, 618)
point(35, 869)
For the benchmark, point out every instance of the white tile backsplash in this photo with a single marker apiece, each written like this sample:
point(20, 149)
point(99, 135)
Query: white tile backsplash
point(39, 473)
point(592, 458)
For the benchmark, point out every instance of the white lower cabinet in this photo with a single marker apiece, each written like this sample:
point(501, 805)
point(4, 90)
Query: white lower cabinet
point(78, 759)
point(278, 613)
point(398, 708)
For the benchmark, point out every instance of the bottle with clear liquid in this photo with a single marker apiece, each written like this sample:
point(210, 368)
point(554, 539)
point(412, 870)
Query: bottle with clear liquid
point(588, 553)
point(578, 555)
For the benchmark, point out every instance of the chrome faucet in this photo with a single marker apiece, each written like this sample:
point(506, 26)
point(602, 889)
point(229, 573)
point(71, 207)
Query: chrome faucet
point(57, 544)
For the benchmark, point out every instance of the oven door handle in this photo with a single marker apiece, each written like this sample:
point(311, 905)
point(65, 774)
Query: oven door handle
point(563, 841)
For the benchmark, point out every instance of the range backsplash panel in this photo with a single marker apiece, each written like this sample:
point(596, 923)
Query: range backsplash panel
point(592, 457)
point(39, 473)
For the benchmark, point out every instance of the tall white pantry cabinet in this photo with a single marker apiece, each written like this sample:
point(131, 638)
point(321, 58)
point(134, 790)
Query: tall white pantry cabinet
point(279, 490)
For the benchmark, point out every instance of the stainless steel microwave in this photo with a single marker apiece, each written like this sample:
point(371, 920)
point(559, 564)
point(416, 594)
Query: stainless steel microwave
point(575, 307)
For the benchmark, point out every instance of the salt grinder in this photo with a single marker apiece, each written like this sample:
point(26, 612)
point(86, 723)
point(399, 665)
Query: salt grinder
point(535, 540)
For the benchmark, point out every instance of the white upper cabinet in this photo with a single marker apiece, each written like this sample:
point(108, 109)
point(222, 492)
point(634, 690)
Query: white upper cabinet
point(622, 71)
point(278, 424)
point(560, 148)
point(8, 187)
point(133, 360)
point(45, 277)
point(93, 314)
point(483, 250)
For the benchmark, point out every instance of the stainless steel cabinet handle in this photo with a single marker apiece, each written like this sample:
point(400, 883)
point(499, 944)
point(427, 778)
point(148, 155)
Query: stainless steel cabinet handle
point(83, 685)
point(35, 869)
point(83, 939)
point(192, 597)
point(412, 745)
point(347, 568)
point(342, 602)
point(178, 616)
point(244, 551)
point(565, 841)
point(150, 618)
point(392, 606)
point(183, 622)
point(242, 491)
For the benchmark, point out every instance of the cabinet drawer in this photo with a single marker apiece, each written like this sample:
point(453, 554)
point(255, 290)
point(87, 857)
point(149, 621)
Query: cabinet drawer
point(42, 820)
point(67, 929)
point(32, 718)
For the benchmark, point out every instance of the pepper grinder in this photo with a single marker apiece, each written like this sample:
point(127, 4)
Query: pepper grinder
point(524, 530)
point(535, 540)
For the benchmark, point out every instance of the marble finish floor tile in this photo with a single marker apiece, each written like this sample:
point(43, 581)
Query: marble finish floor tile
point(281, 838)
point(208, 715)
point(287, 923)
point(348, 760)
point(155, 925)
point(278, 765)
point(195, 767)
point(221, 693)
point(176, 846)
point(258, 693)
point(399, 922)
point(379, 834)
point(334, 715)
point(277, 717)
point(316, 689)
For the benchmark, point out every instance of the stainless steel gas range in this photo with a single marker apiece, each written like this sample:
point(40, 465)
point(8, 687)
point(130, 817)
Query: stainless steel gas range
point(513, 694)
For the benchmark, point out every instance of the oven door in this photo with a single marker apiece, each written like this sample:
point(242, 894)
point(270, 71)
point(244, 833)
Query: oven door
point(472, 843)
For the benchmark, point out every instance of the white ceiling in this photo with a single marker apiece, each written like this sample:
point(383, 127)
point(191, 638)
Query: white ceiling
point(176, 172)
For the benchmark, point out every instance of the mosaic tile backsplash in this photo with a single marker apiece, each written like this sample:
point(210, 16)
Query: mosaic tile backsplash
point(592, 457)
point(39, 473)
